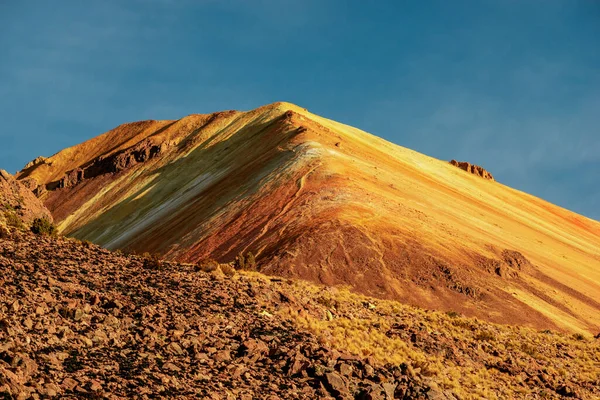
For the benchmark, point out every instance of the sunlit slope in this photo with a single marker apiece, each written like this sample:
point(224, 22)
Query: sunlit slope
point(320, 200)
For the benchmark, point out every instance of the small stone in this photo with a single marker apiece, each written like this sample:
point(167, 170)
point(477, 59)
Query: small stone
point(95, 386)
point(373, 392)
point(95, 300)
point(112, 304)
point(346, 369)
point(69, 383)
point(389, 389)
point(51, 390)
point(223, 355)
point(174, 348)
point(253, 347)
point(335, 383)
point(78, 315)
point(28, 323)
point(171, 367)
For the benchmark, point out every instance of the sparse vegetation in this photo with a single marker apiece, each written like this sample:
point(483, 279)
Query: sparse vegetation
point(13, 220)
point(245, 262)
point(470, 358)
point(43, 226)
point(485, 335)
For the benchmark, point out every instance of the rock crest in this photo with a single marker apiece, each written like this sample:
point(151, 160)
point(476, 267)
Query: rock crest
point(473, 169)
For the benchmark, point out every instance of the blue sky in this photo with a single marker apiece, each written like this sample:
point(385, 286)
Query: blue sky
point(511, 85)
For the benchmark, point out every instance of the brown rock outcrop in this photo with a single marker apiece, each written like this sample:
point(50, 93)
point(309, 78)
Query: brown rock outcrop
point(473, 169)
point(18, 204)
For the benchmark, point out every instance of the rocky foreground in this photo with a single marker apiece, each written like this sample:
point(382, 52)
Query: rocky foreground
point(79, 321)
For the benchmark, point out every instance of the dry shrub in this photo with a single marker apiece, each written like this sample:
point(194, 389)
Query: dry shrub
point(485, 335)
point(12, 219)
point(245, 262)
point(43, 226)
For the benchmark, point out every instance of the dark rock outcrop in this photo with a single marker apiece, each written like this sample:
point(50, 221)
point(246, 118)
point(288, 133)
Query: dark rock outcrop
point(142, 152)
point(473, 169)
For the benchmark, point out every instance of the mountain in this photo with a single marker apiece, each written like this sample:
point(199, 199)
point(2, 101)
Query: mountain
point(79, 321)
point(319, 200)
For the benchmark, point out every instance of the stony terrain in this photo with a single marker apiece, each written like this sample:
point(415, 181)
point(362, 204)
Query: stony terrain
point(79, 321)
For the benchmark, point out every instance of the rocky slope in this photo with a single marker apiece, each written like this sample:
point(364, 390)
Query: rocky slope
point(77, 321)
point(319, 200)
point(18, 205)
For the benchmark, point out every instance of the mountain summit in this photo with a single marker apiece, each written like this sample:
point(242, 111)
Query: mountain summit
point(319, 200)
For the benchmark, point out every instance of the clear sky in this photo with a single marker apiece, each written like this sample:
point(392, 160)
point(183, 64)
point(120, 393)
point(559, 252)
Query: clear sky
point(511, 85)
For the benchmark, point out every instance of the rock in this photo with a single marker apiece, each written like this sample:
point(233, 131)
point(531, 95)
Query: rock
point(567, 391)
point(95, 386)
point(346, 369)
point(111, 320)
point(175, 348)
point(473, 169)
point(69, 383)
point(389, 389)
point(171, 367)
point(28, 323)
point(4, 232)
point(298, 365)
point(78, 314)
point(253, 347)
point(37, 161)
point(373, 392)
point(222, 356)
point(335, 384)
point(110, 304)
